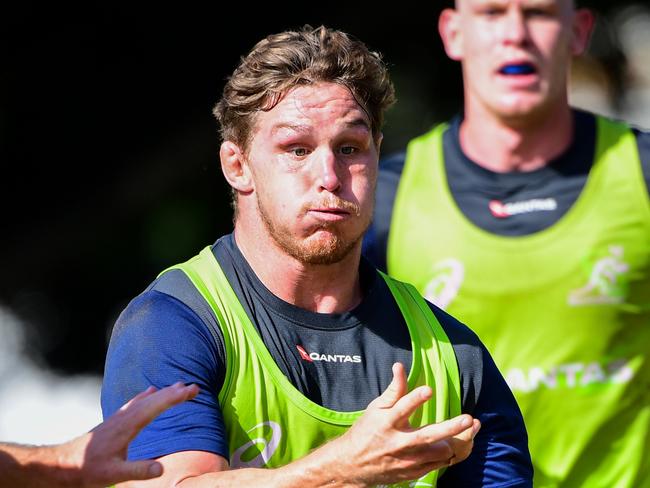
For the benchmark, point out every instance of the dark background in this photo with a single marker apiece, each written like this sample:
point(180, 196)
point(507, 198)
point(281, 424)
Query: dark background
point(109, 151)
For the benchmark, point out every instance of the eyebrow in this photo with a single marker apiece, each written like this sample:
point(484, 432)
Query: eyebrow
point(358, 122)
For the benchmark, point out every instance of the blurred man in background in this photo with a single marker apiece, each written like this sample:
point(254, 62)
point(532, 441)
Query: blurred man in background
point(530, 221)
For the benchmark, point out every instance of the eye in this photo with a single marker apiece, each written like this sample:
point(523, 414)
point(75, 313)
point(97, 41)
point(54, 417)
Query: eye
point(536, 12)
point(491, 11)
point(348, 150)
point(299, 152)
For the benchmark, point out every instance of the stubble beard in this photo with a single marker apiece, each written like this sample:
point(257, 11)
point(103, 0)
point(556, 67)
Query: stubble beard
point(314, 250)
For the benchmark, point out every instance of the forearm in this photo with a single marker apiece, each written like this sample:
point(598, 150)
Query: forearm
point(35, 467)
point(322, 467)
point(380, 448)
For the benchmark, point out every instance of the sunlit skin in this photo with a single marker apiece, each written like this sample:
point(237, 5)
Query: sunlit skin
point(515, 57)
point(305, 195)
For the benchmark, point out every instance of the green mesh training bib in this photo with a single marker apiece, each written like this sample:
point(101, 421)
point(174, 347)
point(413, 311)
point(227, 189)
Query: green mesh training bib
point(565, 312)
point(269, 422)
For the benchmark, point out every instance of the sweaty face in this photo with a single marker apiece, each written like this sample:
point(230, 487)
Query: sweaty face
point(515, 54)
point(314, 165)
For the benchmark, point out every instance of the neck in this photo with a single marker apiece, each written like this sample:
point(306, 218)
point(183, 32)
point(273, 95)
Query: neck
point(330, 288)
point(504, 145)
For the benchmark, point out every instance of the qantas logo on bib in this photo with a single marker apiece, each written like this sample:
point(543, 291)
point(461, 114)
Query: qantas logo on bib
point(328, 358)
point(504, 210)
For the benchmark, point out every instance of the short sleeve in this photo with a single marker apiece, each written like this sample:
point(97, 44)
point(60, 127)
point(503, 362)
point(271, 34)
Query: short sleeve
point(158, 340)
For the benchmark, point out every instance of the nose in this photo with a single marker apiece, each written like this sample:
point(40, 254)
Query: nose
point(515, 30)
point(328, 171)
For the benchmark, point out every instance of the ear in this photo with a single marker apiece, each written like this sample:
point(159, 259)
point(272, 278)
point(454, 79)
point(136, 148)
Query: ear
point(583, 26)
point(451, 34)
point(235, 167)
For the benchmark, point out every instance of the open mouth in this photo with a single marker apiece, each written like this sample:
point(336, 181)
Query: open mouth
point(517, 69)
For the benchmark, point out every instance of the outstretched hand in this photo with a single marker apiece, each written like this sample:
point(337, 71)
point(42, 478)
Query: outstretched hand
point(382, 447)
point(100, 455)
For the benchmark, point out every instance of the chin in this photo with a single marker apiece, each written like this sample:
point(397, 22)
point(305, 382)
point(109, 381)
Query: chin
point(325, 250)
point(521, 109)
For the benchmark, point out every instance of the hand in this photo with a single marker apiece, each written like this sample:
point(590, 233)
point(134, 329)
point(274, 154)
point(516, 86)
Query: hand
point(100, 455)
point(382, 447)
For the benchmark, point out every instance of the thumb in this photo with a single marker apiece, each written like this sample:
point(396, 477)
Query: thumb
point(137, 470)
point(397, 389)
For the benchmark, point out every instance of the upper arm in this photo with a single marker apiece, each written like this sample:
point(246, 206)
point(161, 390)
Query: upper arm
point(158, 341)
point(180, 467)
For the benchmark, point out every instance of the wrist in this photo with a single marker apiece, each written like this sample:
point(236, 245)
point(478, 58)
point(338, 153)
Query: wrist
point(327, 466)
point(66, 465)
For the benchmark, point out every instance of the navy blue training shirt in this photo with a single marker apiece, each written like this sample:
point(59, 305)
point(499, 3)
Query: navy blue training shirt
point(473, 187)
point(168, 333)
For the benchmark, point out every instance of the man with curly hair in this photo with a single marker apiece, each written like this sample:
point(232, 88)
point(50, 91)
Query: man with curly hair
point(314, 368)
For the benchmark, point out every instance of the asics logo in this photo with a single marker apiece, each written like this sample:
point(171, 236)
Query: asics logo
point(267, 451)
point(443, 285)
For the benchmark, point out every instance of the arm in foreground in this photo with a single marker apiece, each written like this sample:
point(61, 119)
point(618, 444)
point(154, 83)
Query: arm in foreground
point(380, 448)
point(95, 459)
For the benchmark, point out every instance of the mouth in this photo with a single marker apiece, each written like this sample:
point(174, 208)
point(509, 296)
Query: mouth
point(518, 69)
point(329, 213)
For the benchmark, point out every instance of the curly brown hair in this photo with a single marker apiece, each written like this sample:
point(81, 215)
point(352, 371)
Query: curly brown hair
point(306, 56)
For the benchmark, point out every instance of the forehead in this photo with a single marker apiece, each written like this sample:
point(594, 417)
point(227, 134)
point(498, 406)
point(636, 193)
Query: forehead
point(314, 106)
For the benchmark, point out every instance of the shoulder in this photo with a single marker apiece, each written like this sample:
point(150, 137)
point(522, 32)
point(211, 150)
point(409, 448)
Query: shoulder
point(169, 308)
point(158, 340)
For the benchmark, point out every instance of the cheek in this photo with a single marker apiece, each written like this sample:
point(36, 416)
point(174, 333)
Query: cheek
point(363, 183)
point(478, 42)
point(552, 44)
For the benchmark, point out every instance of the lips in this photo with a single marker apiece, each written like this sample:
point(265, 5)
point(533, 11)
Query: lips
point(329, 214)
point(331, 210)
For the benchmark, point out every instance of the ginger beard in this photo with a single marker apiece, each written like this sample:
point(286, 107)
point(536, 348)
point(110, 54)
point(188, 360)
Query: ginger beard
point(326, 243)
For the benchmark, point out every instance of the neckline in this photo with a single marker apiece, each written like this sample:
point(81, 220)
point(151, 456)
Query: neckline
point(539, 238)
point(300, 316)
point(281, 381)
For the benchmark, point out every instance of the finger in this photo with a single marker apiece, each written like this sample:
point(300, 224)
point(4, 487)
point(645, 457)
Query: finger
point(427, 467)
point(395, 390)
point(463, 443)
point(135, 470)
point(442, 454)
point(129, 422)
point(470, 433)
point(139, 396)
point(444, 430)
point(438, 452)
point(409, 403)
point(150, 407)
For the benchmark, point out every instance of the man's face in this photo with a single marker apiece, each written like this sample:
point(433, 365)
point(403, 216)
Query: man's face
point(515, 54)
point(313, 161)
